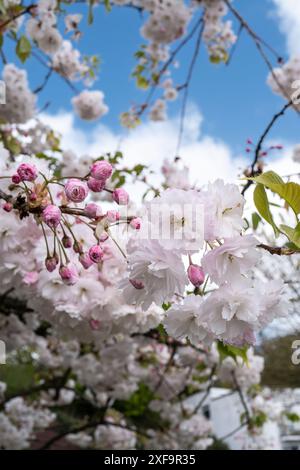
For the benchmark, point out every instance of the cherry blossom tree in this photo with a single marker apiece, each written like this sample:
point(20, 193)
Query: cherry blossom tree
point(114, 313)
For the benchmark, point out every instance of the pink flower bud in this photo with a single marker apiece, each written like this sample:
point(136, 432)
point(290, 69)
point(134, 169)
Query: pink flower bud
point(85, 260)
point(27, 172)
point(7, 207)
point(92, 210)
point(137, 284)
point(96, 253)
point(16, 178)
point(67, 241)
point(113, 216)
point(103, 237)
point(30, 278)
point(196, 275)
point(51, 215)
point(120, 196)
point(51, 263)
point(94, 324)
point(77, 247)
point(101, 170)
point(76, 190)
point(69, 274)
point(95, 185)
point(32, 196)
point(136, 223)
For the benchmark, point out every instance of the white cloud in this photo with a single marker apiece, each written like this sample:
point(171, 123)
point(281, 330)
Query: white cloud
point(207, 157)
point(288, 13)
point(150, 143)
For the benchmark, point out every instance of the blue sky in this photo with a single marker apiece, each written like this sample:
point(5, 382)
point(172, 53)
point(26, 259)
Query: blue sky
point(235, 101)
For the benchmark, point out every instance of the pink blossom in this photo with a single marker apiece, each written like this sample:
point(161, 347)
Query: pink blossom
point(30, 278)
point(120, 196)
point(85, 260)
point(92, 210)
point(69, 274)
point(196, 275)
point(113, 216)
point(94, 324)
point(136, 223)
point(101, 170)
point(7, 207)
point(103, 237)
point(27, 172)
point(96, 253)
point(51, 263)
point(67, 241)
point(76, 190)
point(137, 284)
point(51, 215)
point(16, 178)
point(95, 185)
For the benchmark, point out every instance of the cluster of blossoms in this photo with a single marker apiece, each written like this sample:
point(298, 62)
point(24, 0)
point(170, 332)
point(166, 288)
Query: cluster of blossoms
point(284, 80)
point(89, 105)
point(106, 376)
point(218, 35)
point(167, 21)
point(149, 268)
point(42, 27)
point(20, 101)
point(67, 62)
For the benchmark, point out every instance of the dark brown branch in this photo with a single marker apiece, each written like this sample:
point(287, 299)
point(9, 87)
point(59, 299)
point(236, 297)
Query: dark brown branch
point(16, 16)
point(186, 86)
point(6, 197)
point(261, 141)
point(276, 250)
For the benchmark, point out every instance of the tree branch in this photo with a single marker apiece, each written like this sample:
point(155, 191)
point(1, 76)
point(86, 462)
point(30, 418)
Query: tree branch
point(261, 141)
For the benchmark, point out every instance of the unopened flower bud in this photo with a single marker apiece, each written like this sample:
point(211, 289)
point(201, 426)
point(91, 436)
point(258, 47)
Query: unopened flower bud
point(77, 247)
point(96, 253)
point(196, 275)
point(137, 284)
point(120, 196)
point(85, 260)
point(51, 215)
point(67, 241)
point(113, 216)
point(95, 185)
point(92, 210)
point(51, 263)
point(103, 237)
point(136, 223)
point(7, 207)
point(76, 190)
point(27, 172)
point(101, 170)
point(94, 324)
point(69, 274)
point(16, 178)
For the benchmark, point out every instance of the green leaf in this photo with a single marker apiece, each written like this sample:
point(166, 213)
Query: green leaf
point(13, 145)
point(262, 205)
point(142, 82)
point(293, 234)
point(268, 178)
point(227, 350)
point(290, 192)
point(1, 40)
point(107, 5)
point(18, 377)
point(23, 48)
point(293, 417)
point(255, 220)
